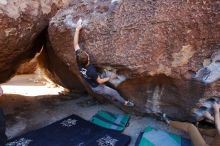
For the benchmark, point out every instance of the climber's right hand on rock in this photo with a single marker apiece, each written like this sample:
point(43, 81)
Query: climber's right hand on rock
point(79, 24)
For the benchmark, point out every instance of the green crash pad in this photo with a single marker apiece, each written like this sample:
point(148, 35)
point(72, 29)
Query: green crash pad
point(109, 120)
point(156, 137)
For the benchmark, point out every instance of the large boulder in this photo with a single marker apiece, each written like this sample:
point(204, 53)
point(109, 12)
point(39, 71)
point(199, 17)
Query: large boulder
point(154, 47)
point(21, 25)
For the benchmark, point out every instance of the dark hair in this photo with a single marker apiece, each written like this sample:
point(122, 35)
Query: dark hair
point(82, 58)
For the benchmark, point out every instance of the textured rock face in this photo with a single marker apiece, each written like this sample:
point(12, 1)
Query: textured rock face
point(28, 67)
point(21, 23)
point(155, 47)
point(211, 71)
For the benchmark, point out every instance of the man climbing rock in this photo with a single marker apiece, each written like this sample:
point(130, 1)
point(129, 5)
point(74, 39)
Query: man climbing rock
point(90, 74)
point(3, 137)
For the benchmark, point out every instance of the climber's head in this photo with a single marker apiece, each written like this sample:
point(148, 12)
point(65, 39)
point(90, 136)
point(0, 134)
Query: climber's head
point(83, 58)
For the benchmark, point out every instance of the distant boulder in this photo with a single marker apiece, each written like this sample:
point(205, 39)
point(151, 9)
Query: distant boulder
point(21, 26)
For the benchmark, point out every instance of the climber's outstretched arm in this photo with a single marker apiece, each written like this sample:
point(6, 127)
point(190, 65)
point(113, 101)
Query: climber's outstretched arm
point(102, 81)
point(76, 35)
point(216, 107)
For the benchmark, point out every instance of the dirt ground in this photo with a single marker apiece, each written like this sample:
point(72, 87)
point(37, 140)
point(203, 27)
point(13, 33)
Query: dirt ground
point(30, 104)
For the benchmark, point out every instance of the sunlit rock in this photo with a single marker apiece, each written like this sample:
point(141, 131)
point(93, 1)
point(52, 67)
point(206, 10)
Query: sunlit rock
point(211, 72)
point(156, 46)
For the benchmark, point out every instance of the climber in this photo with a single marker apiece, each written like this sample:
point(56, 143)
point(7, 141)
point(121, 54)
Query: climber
point(90, 74)
point(194, 133)
point(3, 137)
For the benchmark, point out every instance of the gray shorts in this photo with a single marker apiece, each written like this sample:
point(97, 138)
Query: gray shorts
point(108, 92)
